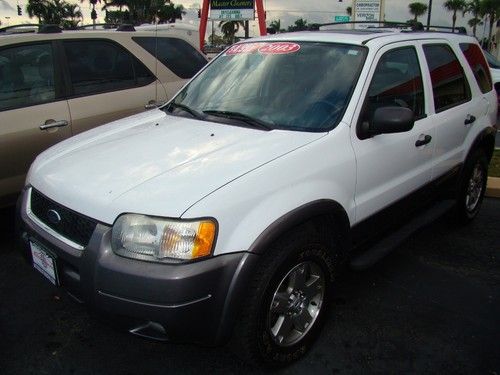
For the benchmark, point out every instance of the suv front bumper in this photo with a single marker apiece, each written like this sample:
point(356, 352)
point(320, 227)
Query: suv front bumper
point(190, 302)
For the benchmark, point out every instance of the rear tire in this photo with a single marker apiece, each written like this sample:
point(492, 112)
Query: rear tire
point(472, 186)
point(286, 302)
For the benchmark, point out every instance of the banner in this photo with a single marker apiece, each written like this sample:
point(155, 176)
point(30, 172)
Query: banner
point(232, 10)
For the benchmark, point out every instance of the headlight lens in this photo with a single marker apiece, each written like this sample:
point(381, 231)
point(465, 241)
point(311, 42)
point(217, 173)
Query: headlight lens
point(156, 239)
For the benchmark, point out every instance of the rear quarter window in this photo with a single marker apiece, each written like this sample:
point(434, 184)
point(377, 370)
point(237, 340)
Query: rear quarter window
point(176, 54)
point(478, 65)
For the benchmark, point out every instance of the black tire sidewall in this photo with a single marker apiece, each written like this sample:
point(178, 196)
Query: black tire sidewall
point(269, 351)
point(478, 157)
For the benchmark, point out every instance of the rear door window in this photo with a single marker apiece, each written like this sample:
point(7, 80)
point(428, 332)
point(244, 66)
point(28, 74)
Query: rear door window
point(97, 66)
point(27, 76)
point(479, 66)
point(449, 85)
point(176, 54)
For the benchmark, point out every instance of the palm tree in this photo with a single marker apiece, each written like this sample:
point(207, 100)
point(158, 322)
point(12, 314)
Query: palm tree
point(490, 8)
point(37, 8)
point(170, 12)
point(417, 9)
point(473, 7)
point(455, 6)
point(275, 26)
point(229, 29)
point(73, 16)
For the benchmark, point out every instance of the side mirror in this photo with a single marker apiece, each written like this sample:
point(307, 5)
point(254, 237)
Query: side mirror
point(387, 120)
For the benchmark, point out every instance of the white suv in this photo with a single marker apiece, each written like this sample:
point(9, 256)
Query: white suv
point(227, 213)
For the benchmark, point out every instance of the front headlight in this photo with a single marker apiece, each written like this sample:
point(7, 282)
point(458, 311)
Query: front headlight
point(162, 240)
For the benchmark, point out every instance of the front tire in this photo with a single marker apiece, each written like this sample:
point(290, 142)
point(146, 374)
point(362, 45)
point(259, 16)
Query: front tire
point(286, 302)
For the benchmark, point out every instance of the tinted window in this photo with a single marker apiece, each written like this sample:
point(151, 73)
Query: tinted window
point(478, 65)
point(100, 66)
point(449, 85)
point(397, 81)
point(176, 54)
point(26, 76)
point(302, 86)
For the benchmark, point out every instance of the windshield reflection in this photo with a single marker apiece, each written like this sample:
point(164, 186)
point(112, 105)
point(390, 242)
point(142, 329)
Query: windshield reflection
point(302, 86)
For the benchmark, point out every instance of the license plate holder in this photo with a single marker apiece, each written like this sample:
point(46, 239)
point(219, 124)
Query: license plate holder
point(44, 262)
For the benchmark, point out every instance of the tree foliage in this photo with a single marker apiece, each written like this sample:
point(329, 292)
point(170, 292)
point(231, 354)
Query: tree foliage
point(417, 9)
point(55, 12)
point(455, 6)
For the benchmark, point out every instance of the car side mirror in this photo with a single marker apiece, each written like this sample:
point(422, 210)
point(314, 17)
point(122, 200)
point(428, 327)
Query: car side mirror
point(387, 120)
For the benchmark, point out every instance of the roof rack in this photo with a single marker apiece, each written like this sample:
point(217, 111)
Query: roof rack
point(14, 29)
point(404, 26)
point(108, 26)
point(49, 29)
point(413, 26)
point(457, 29)
point(103, 25)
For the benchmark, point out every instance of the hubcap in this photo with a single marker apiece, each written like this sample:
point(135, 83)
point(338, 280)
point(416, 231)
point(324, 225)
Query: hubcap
point(474, 188)
point(296, 303)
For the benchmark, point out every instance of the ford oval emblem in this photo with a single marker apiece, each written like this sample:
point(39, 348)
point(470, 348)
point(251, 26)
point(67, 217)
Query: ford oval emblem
point(53, 216)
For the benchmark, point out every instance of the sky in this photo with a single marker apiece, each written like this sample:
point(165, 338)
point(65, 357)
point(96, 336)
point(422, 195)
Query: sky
point(314, 11)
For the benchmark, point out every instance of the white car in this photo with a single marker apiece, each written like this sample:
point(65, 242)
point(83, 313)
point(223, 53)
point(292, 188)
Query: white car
point(228, 213)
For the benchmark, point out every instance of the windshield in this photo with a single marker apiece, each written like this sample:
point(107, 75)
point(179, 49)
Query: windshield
point(302, 86)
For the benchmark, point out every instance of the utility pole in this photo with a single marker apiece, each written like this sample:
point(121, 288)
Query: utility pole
point(429, 15)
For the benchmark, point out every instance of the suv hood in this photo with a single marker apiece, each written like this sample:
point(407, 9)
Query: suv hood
point(154, 164)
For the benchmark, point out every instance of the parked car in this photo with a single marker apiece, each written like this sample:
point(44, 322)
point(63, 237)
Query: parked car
point(57, 84)
point(228, 213)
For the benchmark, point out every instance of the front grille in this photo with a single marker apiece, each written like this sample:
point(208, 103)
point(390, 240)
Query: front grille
point(72, 225)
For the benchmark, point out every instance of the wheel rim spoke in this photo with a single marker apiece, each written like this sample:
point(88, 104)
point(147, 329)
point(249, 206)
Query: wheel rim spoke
point(280, 303)
point(313, 287)
point(302, 320)
point(283, 328)
point(298, 278)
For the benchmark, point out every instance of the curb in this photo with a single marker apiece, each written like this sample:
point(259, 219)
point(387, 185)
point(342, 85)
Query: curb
point(493, 187)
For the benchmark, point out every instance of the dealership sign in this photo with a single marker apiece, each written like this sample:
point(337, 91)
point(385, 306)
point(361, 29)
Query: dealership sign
point(233, 10)
point(367, 10)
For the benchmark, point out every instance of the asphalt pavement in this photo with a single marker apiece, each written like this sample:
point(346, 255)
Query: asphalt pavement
point(432, 306)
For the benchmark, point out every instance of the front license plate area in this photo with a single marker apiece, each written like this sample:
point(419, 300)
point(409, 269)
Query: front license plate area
point(44, 262)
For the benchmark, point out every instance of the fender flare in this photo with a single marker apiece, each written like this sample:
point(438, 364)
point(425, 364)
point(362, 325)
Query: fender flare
point(300, 215)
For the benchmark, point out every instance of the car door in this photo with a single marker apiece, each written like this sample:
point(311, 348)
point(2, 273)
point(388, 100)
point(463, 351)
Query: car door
point(106, 82)
point(453, 112)
point(391, 166)
point(33, 113)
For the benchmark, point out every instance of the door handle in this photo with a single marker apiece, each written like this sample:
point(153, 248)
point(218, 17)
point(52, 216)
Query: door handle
point(469, 120)
point(49, 124)
point(424, 141)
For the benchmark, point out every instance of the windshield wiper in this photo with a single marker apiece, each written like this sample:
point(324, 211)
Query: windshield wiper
point(185, 108)
point(256, 123)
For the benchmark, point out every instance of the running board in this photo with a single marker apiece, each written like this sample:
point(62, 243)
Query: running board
point(395, 239)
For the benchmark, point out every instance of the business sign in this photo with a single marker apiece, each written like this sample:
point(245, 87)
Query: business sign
point(232, 10)
point(341, 19)
point(367, 10)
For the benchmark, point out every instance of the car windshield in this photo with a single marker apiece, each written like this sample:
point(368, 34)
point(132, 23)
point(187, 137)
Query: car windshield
point(302, 86)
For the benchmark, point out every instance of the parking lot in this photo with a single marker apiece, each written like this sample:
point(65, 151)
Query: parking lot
point(432, 306)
